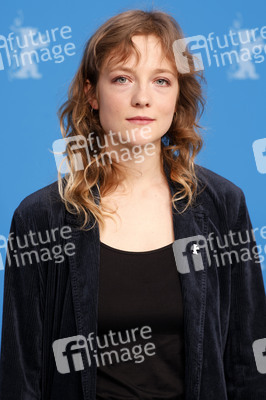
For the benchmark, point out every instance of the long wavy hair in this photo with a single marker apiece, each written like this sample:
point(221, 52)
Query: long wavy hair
point(179, 146)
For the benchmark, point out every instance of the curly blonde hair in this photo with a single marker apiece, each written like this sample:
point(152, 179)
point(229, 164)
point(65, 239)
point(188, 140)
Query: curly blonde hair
point(179, 146)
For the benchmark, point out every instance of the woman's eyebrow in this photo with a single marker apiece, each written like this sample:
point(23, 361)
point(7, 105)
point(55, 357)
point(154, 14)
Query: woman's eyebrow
point(155, 71)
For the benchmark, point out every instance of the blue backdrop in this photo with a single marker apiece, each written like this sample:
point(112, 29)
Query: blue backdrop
point(31, 94)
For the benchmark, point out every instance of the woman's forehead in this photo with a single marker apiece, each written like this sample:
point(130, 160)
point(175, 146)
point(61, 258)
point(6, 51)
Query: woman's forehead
point(126, 56)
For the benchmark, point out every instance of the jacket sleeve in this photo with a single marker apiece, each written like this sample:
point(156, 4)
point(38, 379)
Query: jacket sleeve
point(247, 316)
point(21, 345)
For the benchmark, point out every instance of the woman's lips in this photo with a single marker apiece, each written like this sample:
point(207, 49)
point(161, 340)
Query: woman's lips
point(140, 120)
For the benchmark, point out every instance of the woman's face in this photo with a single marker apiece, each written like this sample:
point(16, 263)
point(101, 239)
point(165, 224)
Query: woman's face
point(146, 89)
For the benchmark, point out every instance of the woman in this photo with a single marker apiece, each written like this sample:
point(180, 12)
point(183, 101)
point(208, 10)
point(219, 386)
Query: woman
point(125, 255)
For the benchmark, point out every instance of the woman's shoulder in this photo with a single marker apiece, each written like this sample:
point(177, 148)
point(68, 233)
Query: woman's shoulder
point(43, 204)
point(215, 191)
point(219, 195)
point(217, 184)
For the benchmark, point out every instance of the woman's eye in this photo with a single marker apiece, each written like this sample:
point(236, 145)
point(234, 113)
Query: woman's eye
point(123, 79)
point(120, 79)
point(163, 82)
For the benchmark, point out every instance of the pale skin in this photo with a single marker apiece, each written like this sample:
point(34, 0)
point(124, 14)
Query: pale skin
point(143, 219)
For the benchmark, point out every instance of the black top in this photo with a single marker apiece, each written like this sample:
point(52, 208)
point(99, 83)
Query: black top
point(140, 302)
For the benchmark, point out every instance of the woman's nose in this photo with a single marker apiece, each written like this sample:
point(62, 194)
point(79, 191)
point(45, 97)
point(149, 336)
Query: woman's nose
point(141, 97)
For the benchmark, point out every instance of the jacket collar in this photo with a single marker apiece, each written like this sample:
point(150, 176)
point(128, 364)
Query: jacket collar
point(84, 275)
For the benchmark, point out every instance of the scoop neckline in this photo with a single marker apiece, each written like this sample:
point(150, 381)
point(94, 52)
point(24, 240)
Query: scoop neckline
point(135, 252)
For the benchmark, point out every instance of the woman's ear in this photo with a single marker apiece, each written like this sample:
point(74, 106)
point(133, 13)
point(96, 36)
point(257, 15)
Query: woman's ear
point(92, 100)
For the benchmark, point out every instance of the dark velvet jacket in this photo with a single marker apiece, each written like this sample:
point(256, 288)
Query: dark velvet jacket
point(224, 307)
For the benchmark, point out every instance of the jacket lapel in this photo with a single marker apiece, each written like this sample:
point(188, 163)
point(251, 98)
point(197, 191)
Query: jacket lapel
point(192, 222)
point(193, 284)
point(84, 273)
